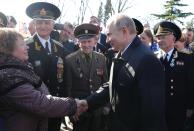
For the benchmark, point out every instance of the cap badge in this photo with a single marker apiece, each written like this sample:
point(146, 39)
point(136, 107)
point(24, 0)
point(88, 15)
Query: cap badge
point(42, 12)
point(86, 31)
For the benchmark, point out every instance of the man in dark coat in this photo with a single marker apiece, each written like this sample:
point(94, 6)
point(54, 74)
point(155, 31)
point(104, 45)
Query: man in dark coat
point(179, 75)
point(136, 85)
point(45, 54)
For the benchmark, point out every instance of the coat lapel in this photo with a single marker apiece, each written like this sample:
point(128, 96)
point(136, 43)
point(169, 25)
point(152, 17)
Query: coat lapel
point(37, 44)
point(128, 54)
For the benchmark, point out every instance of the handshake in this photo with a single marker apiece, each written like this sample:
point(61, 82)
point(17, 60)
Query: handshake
point(82, 106)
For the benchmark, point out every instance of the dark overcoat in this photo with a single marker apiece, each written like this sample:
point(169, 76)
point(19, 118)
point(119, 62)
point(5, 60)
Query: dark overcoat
point(138, 83)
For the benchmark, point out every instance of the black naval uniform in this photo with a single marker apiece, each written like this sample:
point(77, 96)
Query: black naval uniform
point(50, 67)
point(179, 83)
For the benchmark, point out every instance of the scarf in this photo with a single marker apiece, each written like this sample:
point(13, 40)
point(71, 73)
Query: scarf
point(14, 73)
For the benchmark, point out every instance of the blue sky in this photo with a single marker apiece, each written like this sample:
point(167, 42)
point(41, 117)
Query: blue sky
point(141, 9)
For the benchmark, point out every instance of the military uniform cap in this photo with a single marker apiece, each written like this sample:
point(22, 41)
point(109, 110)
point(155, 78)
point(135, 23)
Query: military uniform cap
point(86, 31)
point(166, 27)
point(139, 26)
point(43, 10)
point(3, 20)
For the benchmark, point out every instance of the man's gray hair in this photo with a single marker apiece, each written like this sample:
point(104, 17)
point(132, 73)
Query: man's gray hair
point(119, 21)
point(69, 25)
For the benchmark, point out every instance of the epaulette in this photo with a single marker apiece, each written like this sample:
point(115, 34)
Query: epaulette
point(29, 40)
point(57, 43)
point(185, 51)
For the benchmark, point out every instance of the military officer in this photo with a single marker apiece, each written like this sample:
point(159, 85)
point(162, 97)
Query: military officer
point(45, 54)
point(3, 20)
point(179, 75)
point(86, 71)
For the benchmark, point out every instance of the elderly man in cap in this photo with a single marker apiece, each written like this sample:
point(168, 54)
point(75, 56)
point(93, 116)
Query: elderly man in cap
point(179, 75)
point(85, 73)
point(3, 20)
point(135, 90)
point(45, 54)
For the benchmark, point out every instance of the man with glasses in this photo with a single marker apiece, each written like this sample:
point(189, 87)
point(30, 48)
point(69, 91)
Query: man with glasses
point(45, 54)
point(179, 75)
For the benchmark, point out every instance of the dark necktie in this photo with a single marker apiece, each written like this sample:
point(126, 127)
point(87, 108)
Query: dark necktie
point(166, 60)
point(47, 47)
point(87, 56)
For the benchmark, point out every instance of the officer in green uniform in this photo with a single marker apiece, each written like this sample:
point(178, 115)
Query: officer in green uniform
point(45, 54)
point(86, 71)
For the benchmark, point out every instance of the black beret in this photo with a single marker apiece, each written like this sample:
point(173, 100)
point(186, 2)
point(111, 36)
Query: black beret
point(86, 31)
point(3, 20)
point(139, 26)
point(166, 27)
point(43, 10)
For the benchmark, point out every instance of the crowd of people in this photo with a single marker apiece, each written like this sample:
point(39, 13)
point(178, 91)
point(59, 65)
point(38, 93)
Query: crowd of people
point(131, 78)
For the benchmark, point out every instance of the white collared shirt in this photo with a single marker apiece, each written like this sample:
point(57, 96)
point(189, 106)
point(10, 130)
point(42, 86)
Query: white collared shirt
point(43, 42)
point(169, 54)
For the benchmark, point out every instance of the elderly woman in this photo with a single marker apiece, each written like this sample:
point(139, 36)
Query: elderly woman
point(25, 103)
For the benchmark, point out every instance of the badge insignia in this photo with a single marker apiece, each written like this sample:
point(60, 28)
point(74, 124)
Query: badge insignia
point(172, 64)
point(175, 55)
point(86, 31)
point(180, 63)
point(99, 71)
point(130, 69)
point(37, 46)
point(42, 12)
point(60, 69)
point(55, 48)
point(81, 75)
point(37, 63)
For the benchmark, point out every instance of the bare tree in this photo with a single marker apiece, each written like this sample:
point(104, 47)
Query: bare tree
point(121, 6)
point(100, 11)
point(107, 10)
point(82, 11)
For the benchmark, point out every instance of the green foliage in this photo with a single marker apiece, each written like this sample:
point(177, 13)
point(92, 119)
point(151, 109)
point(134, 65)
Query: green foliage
point(108, 11)
point(172, 12)
point(100, 12)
